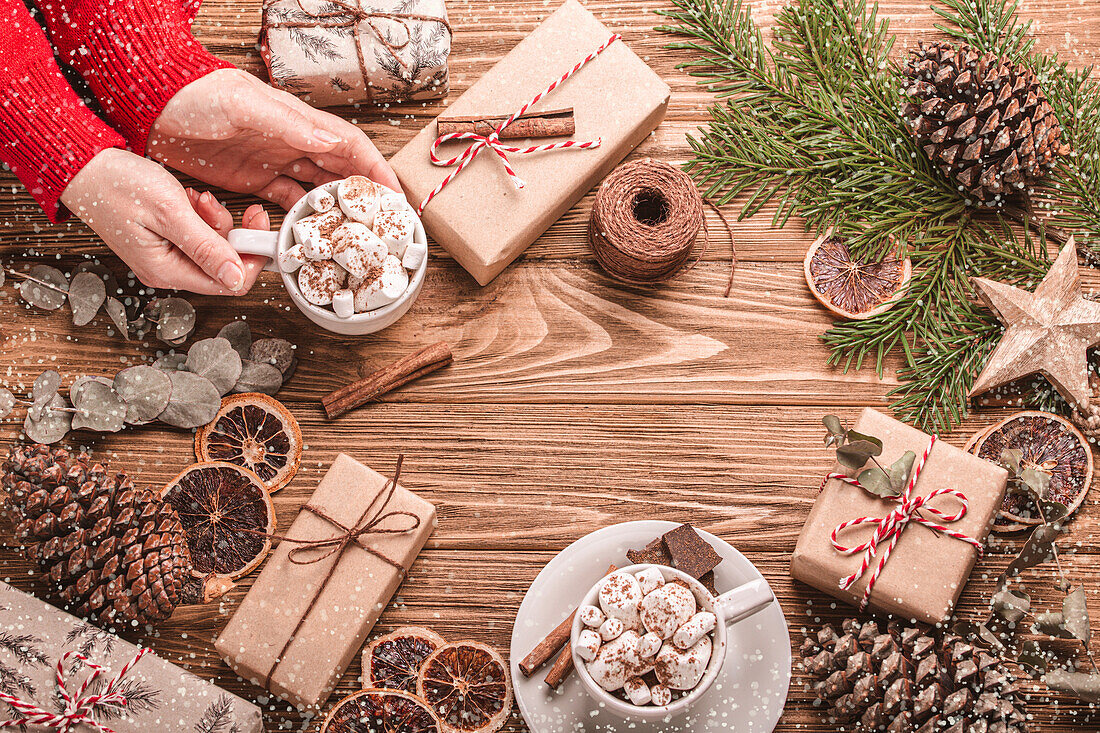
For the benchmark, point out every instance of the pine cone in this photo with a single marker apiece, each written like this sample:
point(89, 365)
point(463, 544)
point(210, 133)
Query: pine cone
point(903, 680)
point(982, 119)
point(110, 552)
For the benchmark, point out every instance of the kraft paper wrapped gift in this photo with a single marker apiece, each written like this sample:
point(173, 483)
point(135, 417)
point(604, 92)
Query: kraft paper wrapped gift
point(927, 570)
point(34, 636)
point(349, 51)
point(312, 607)
point(481, 218)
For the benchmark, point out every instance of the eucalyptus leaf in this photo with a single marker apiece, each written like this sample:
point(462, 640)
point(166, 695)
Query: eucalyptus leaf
point(53, 425)
point(1032, 657)
point(258, 377)
point(117, 311)
point(877, 483)
point(146, 392)
point(1011, 605)
point(833, 424)
point(854, 437)
point(1011, 458)
point(175, 319)
point(195, 401)
point(1038, 548)
point(100, 409)
point(1076, 612)
point(277, 352)
point(1035, 481)
point(978, 632)
point(1081, 685)
point(45, 387)
point(216, 360)
point(76, 390)
point(171, 362)
point(3, 276)
point(110, 283)
point(47, 289)
point(855, 454)
point(239, 336)
point(900, 469)
point(7, 401)
point(86, 294)
point(1051, 623)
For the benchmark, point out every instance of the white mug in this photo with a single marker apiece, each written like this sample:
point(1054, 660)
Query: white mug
point(270, 244)
point(729, 608)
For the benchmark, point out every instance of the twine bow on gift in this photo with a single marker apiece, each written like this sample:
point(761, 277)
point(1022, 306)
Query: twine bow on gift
point(77, 709)
point(350, 15)
point(889, 529)
point(492, 140)
point(310, 552)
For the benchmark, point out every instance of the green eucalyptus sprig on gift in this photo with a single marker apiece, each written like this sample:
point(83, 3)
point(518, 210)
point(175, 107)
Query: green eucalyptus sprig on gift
point(854, 450)
point(1010, 606)
point(90, 287)
point(182, 390)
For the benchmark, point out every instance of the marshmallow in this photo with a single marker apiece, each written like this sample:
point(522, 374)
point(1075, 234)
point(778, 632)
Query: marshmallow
point(588, 645)
point(358, 197)
point(390, 284)
point(667, 609)
point(356, 249)
point(694, 629)
point(392, 201)
point(316, 225)
point(683, 669)
point(611, 629)
point(320, 200)
point(649, 645)
point(637, 691)
point(620, 596)
point(395, 228)
point(395, 280)
point(317, 248)
point(292, 259)
point(414, 256)
point(650, 579)
point(610, 668)
point(319, 281)
point(660, 695)
point(343, 303)
point(591, 616)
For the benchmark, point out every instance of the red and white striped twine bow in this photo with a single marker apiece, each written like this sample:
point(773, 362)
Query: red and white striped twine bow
point(890, 528)
point(77, 709)
point(492, 140)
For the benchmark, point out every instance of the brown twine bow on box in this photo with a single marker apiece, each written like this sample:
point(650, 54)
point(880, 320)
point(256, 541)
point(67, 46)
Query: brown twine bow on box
point(310, 552)
point(350, 15)
point(645, 222)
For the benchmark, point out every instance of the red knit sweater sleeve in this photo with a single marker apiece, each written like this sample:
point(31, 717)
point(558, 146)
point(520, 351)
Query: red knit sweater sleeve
point(134, 54)
point(46, 134)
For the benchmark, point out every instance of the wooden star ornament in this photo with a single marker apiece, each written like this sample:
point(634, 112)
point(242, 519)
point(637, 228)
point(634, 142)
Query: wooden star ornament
point(1047, 332)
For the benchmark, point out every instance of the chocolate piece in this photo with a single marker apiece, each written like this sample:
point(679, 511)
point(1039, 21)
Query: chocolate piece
point(655, 553)
point(708, 582)
point(690, 553)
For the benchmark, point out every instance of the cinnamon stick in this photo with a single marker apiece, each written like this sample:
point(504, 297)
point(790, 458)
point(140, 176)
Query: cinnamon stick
point(387, 379)
point(555, 123)
point(561, 668)
point(550, 646)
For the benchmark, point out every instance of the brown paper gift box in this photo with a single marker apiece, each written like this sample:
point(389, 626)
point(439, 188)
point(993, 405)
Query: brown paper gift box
point(348, 604)
point(310, 48)
point(481, 218)
point(163, 697)
point(927, 570)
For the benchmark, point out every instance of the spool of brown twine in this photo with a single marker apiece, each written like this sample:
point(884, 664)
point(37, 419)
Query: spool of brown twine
point(645, 222)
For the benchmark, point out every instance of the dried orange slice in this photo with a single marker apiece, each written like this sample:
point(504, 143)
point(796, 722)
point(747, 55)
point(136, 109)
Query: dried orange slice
point(257, 432)
point(1047, 442)
point(467, 685)
point(850, 287)
point(381, 711)
point(394, 660)
point(227, 517)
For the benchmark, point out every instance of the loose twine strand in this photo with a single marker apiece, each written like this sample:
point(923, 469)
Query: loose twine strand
point(645, 222)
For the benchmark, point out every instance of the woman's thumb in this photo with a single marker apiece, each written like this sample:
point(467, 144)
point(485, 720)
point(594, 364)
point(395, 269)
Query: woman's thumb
point(206, 248)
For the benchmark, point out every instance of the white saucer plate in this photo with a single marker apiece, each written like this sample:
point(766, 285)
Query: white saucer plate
point(748, 696)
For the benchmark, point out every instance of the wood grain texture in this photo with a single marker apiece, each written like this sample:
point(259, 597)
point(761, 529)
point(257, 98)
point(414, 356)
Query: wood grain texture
point(574, 402)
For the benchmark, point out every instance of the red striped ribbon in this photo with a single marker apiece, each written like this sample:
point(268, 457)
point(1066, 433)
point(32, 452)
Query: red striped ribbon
point(77, 709)
point(492, 140)
point(890, 528)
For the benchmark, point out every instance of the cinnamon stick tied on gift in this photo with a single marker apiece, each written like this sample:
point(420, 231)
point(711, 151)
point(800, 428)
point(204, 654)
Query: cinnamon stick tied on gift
point(387, 379)
point(554, 123)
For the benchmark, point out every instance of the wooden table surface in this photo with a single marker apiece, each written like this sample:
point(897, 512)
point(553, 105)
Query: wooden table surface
point(575, 402)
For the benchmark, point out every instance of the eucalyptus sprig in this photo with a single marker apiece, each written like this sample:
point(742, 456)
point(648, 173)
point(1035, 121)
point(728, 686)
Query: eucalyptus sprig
point(811, 122)
point(855, 450)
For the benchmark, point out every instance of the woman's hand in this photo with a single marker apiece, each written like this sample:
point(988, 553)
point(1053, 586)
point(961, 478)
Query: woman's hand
point(231, 130)
point(171, 238)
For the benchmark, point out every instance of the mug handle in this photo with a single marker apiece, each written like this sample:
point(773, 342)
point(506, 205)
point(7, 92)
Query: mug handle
point(745, 600)
point(257, 242)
